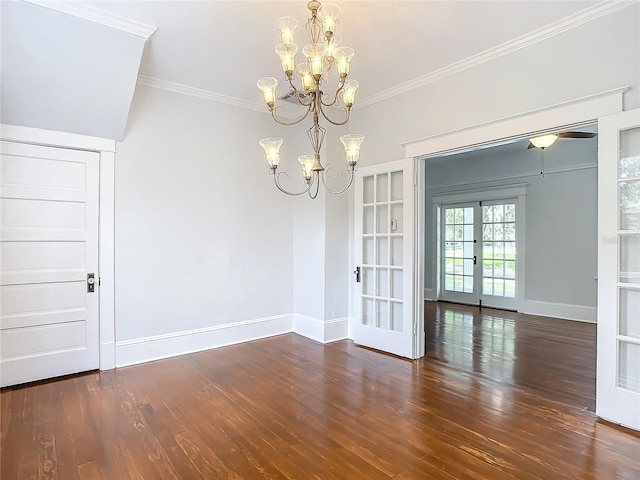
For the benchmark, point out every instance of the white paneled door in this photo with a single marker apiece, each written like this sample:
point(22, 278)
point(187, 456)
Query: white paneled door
point(618, 357)
point(384, 253)
point(48, 251)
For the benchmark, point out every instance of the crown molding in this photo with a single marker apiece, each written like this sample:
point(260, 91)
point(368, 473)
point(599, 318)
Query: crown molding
point(586, 15)
point(198, 93)
point(95, 15)
point(207, 95)
point(572, 21)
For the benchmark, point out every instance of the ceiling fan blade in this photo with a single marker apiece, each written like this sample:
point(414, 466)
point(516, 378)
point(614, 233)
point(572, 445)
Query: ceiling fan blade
point(531, 145)
point(577, 135)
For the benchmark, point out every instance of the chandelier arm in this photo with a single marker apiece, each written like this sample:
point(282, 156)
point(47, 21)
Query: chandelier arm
point(349, 183)
point(294, 122)
point(335, 98)
point(316, 180)
point(282, 189)
point(346, 119)
point(295, 92)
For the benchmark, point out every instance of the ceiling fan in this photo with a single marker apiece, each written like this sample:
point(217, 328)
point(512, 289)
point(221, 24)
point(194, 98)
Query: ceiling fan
point(547, 140)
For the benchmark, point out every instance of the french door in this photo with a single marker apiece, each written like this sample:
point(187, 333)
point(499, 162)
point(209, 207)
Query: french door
point(618, 353)
point(478, 253)
point(384, 308)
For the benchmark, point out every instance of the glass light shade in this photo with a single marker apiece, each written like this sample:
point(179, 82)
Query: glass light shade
point(268, 87)
point(349, 91)
point(343, 56)
point(286, 28)
point(287, 54)
point(304, 70)
point(351, 144)
point(544, 141)
point(315, 53)
point(306, 165)
point(271, 151)
point(332, 45)
point(328, 14)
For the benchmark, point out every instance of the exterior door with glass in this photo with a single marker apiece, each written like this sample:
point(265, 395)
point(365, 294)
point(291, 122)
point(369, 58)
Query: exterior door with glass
point(384, 252)
point(479, 253)
point(618, 354)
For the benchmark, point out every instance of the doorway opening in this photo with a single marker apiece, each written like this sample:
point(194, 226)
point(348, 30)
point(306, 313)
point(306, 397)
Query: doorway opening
point(501, 235)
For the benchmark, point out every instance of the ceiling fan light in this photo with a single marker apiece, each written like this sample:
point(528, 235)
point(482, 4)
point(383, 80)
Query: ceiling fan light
point(544, 141)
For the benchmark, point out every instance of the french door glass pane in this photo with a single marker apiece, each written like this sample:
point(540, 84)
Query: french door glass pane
point(458, 249)
point(629, 260)
point(499, 250)
point(628, 371)
point(630, 312)
point(382, 247)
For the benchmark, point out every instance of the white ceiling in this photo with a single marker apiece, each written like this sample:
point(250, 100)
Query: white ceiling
point(225, 46)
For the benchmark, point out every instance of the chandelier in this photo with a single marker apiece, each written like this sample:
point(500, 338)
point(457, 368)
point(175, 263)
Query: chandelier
point(324, 55)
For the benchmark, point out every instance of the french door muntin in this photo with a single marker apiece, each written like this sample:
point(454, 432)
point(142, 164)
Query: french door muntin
point(479, 253)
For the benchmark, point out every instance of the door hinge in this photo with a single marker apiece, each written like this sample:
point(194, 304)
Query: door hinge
point(415, 179)
point(475, 260)
point(357, 274)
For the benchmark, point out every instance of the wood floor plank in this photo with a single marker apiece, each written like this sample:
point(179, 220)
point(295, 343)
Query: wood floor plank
point(498, 395)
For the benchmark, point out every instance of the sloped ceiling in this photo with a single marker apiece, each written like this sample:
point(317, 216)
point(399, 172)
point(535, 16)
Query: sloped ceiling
point(66, 73)
point(61, 72)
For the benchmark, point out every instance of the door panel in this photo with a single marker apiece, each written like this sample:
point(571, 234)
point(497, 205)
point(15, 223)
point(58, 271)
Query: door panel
point(618, 355)
point(384, 311)
point(48, 245)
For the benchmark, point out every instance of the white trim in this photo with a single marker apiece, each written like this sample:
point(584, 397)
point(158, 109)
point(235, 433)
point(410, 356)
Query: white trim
point(139, 350)
point(579, 313)
point(95, 15)
point(350, 322)
point(482, 194)
point(576, 112)
point(323, 331)
point(572, 21)
point(50, 138)
point(106, 261)
point(591, 13)
point(212, 96)
point(199, 93)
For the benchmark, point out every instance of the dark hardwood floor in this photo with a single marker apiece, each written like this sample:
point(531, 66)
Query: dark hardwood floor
point(498, 396)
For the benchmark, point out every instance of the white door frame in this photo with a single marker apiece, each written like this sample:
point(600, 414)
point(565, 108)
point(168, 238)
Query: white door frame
point(566, 115)
point(106, 271)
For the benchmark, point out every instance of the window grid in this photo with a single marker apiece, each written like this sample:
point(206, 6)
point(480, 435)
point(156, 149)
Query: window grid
point(459, 243)
point(499, 250)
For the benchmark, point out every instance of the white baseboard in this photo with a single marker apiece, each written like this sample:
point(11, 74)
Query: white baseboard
point(580, 313)
point(139, 350)
point(350, 328)
point(323, 331)
point(430, 294)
